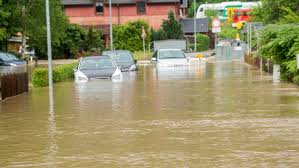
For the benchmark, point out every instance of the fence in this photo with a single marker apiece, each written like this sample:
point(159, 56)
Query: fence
point(267, 65)
point(13, 84)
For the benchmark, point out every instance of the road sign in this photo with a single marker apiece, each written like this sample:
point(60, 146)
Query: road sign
point(143, 35)
point(216, 26)
point(215, 23)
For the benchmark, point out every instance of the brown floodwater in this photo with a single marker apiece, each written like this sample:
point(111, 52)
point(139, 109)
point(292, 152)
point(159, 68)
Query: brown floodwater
point(205, 115)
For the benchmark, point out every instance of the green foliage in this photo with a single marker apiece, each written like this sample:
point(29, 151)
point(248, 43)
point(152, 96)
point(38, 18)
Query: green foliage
point(36, 27)
point(274, 11)
point(203, 42)
point(28, 17)
point(227, 31)
point(172, 27)
point(211, 14)
point(158, 35)
point(296, 79)
point(60, 73)
point(128, 36)
point(93, 40)
point(139, 55)
point(280, 43)
point(73, 39)
point(40, 77)
point(290, 16)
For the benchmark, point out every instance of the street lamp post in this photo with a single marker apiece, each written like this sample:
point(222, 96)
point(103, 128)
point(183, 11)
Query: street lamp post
point(110, 20)
point(195, 43)
point(49, 47)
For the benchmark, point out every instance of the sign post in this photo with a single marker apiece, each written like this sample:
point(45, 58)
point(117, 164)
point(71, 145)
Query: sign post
point(216, 28)
point(143, 35)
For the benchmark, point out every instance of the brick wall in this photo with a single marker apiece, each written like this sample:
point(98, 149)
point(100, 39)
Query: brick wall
point(155, 14)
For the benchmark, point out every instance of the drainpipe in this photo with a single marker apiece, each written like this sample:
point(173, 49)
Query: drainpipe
point(118, 14)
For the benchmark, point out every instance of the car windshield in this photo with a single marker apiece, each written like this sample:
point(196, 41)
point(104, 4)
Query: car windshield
point(170, 54)
point(96, 63)
point(120, 56)
point(8, 57)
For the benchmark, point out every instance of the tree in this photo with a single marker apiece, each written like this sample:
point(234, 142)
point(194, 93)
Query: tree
point(36, 27)
point(172, 27)
point(274, 11)
point(128, 36)
point(73, 40)
point(93, 40)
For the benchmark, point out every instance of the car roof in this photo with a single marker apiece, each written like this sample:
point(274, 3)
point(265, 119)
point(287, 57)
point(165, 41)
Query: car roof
point(97, 57)
point(170, 49)
point(116, 51)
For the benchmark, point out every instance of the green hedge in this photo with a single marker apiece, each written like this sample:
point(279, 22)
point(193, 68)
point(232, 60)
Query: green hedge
point(280, 43)
point(203, 42)
point(60, 73)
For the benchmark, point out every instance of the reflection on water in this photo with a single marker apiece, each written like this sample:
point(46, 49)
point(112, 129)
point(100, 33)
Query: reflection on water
point(52, 131)
point(205, 115)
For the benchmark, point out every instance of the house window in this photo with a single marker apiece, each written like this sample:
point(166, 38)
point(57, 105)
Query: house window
point(140, 7)
point(100, 7)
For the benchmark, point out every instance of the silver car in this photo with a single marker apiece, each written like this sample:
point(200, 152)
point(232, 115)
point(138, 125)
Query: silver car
point(170, 57)
point(123, 59)
point(97, 67)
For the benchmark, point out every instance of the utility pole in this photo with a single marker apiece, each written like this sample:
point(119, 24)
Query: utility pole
point(110, 20)
point(49, 48)
point(195, 43)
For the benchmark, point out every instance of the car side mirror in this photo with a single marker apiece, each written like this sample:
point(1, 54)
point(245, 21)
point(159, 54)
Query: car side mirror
point(154, 59)
point(135, 61)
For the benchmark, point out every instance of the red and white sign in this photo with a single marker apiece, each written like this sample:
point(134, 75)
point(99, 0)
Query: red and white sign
point(216, 26)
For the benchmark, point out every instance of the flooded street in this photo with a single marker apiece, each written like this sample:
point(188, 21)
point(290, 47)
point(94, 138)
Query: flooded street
point(207, 115)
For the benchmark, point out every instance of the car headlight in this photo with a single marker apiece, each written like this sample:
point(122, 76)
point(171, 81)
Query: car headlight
point(132, 68)
point(80, 76)
point(12, 64)
point(117, 75)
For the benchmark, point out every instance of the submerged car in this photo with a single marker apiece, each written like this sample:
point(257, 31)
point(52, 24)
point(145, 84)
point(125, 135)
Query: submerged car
point(170, 57)
point(8, 59)
point(97, 67)
point(123, 59)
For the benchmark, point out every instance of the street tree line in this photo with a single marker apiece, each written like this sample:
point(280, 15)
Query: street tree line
point(28, 18)
point(279, 39)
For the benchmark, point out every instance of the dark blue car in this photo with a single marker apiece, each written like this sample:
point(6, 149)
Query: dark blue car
point(7, 59)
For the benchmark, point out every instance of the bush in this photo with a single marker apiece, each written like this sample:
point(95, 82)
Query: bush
point(128, 36)
point(203, 42)
point(139, 55)
point(296, 79)
point(227, 31)
point(60, 73)
point(280, 43)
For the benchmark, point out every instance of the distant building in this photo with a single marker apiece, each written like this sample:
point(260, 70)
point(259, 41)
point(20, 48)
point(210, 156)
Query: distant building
point(96, 12)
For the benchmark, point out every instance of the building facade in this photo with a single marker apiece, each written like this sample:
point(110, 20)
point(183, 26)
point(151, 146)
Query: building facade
point(96, 12)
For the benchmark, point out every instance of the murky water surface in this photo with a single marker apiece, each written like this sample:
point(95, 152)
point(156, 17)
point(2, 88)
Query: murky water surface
point(207, 115)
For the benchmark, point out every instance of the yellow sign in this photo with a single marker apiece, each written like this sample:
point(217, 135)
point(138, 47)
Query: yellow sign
point(199, 55)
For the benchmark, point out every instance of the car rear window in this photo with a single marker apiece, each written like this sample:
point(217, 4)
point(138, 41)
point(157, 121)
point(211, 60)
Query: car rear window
point(96, 63)
point(120, 56)
point(171, 54)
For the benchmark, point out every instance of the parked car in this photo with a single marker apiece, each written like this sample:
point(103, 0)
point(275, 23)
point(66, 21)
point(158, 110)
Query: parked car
point(170, 57)
point(123, 59)
point(8, 59)
point(97, 67)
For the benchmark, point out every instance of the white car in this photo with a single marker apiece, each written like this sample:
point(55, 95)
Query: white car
point(170, 57)
point(97, 67)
